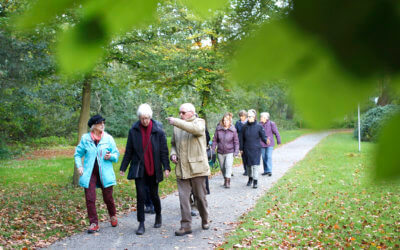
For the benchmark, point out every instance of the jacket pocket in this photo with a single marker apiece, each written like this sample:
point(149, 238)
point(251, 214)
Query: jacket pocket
point(195, 151)
point(198, 167)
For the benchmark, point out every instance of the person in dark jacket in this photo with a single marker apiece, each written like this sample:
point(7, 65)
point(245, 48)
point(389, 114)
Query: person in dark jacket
point(239, 125)
point(146, 151)
point(252, 133)
point(227, 142)
point(266, 150)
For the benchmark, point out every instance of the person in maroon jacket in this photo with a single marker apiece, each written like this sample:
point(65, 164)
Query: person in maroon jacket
point(227, 142)
point(266, 150)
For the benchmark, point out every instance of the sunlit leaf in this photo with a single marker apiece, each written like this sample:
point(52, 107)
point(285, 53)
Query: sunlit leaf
point(387, 159)
point(204, 7)
point(43, 11)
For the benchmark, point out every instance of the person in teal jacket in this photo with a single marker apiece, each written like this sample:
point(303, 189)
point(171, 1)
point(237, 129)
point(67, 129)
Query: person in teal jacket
point(99, 151)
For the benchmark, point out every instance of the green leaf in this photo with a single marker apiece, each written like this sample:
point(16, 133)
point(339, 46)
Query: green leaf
point(387, 165)
point(122, 15)
point(205, 7)
point(323, 90)
point(81, 47)
point(43, 11)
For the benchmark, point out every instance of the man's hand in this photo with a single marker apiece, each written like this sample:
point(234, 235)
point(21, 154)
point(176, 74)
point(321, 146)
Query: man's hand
point(171, 120)
point(122, 173)
point(174, 159)
point(80, 171)
point(166, 173)
point(268, 142)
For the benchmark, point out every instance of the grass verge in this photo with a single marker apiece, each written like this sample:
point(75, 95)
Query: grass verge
point(328, 200)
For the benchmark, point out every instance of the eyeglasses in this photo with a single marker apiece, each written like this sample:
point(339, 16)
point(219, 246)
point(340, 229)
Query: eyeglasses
point(183, 112)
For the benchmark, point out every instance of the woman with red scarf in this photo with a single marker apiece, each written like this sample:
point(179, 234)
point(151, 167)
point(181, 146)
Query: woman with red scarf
point(146, 151)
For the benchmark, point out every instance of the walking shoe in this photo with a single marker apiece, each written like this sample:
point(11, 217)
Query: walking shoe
point(228, 183)
point(158, 222)
point(140, 229)
point(205, 225)
point(182, 232)
point(269, 174)
point(255, 184)
point(245, 173)
point(93, 228)
point(250, 181)
point(264, 173)
point(114, 221)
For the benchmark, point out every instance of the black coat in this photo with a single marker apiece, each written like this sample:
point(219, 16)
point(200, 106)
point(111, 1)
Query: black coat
point(134, 152)
point(239, 126)
point(251, 135)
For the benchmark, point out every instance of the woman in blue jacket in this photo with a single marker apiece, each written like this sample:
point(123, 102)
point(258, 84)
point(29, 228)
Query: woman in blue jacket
point(99, 151)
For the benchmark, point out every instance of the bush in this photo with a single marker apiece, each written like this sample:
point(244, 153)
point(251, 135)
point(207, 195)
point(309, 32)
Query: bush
point(373, 120)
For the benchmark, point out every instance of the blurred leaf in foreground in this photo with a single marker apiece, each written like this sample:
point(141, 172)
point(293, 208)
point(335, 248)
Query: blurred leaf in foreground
point(387, 165)
point(322, 89)
point(204, 7)
point(43, 11)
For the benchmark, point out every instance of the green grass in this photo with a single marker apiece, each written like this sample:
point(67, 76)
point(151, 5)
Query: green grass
point(39, 205)
point(290, 135)
point(328, 200)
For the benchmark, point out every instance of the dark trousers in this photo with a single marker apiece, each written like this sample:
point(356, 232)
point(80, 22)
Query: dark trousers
point(244, 162)
point(90, 195)
point(141, 183)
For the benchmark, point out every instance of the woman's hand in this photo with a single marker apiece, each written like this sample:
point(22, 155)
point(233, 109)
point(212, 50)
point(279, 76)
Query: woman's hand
point(166, 173)
point(122, 173)
point(268, 142)
point(107, 156)
point(80, 171)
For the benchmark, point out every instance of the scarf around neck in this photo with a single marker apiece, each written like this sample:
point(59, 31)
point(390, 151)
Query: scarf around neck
point(148, 155)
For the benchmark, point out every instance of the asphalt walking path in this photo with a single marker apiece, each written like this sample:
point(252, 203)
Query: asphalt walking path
point(225, 207)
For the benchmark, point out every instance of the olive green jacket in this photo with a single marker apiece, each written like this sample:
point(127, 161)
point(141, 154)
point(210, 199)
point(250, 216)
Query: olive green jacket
point(189, 144)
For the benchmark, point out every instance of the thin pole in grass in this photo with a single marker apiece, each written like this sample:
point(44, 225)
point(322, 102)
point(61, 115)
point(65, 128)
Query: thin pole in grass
point(359, 132)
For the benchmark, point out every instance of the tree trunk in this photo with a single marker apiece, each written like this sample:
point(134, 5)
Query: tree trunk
point(385, 96)
point(83, 118)
point(289, 112)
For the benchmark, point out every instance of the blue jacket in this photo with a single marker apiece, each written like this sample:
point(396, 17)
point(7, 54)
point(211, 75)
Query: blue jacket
point(88, 149)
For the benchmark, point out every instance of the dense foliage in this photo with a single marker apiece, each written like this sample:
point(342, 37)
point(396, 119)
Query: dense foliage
point(180, 58)
point(374, 119)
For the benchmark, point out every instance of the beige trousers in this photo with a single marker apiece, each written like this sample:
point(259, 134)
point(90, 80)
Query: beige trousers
point(185, 187)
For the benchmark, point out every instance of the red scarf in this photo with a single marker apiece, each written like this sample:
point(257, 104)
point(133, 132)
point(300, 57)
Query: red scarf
point(148, 155)
point(95, 137)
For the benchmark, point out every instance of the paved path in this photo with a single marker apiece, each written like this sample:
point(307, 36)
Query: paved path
point(225, 207)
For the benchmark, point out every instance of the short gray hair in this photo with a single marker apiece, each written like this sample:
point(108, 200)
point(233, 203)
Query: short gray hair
point(188, 107)
point(265, 114)
point(144, 110)
point(252, 112)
